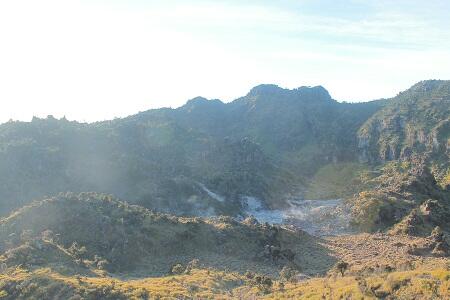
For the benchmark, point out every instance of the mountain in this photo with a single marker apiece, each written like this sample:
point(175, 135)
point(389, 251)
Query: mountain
point(262, 145)
point(205, 157)
point(415, 121)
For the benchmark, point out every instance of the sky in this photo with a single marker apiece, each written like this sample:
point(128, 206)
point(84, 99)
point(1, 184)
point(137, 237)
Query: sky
point(95, 60)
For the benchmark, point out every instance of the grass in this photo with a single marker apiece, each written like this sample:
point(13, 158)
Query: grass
point(335, 181)
point(421, 283)
point(416, 284)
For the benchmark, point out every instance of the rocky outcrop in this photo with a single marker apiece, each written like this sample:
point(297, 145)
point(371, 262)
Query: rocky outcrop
point(416, 121)
point(405, 198)
point(440, 246)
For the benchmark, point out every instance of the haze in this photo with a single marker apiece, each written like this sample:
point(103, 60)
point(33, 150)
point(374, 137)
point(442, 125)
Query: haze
point(96, 60)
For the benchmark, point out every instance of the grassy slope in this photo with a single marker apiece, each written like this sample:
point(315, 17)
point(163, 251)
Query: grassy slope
point(336, 181)
point(423, 278)
point(422, 283)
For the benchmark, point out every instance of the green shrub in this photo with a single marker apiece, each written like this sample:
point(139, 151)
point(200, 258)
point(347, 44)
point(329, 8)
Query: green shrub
point(288, 273)
point(177, 269)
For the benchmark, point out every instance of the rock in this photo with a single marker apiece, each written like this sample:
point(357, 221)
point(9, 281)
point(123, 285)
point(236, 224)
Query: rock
point(440, 246)
point(300, 277)
point(437, 235)
point(3, 267)
point(251, 220)
point(442, 249)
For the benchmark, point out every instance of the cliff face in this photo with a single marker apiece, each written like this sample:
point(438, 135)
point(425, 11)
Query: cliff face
point(415, 121)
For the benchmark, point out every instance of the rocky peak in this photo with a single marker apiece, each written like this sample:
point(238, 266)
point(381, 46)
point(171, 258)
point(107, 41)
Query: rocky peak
point(200, 102)
point(303, 92)
point(430, 87)
point(315, 92)
point(266, 89)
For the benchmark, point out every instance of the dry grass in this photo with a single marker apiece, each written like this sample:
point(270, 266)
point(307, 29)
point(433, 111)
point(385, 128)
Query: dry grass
point(426, 282)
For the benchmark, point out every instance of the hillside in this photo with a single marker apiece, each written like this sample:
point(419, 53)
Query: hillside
point(92, 246)
point(416, 121)
point(404, 195)
point(97, 232)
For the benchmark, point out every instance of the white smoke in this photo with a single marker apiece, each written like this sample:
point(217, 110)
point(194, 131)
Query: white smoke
point(317, 217)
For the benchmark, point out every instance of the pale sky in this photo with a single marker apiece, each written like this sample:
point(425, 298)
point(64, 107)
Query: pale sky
point(95, 60)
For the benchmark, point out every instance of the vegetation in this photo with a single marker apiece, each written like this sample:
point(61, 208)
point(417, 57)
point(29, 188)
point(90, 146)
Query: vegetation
point(426, 281)
point(336, 180)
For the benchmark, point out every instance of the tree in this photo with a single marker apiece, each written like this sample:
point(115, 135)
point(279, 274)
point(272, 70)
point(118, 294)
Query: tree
point(341, 267)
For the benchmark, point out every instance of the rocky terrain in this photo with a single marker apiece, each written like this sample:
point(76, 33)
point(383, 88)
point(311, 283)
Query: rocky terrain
point(95, 231)
point(415, 121)
point(92, 246)
point(404, 194)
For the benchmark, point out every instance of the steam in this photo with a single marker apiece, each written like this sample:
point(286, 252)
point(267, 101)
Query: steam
point(211, 193)
point(317, 217)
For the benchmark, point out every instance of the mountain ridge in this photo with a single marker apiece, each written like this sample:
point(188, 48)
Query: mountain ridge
point(267, 144)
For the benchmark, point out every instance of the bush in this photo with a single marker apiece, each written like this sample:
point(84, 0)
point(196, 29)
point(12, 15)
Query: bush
point(263, 283)
point(341, 267)
point(288, 273)
point(77, 251)
point(249, 274)
point(193, 264)
point(177, 269)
